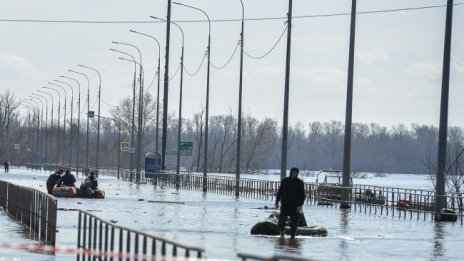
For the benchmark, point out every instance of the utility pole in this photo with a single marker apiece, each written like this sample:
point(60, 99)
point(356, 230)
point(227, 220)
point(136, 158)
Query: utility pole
point(283, 164)
point(346, 190)
point(239, 117)
point(440, 191)
point(166, 89)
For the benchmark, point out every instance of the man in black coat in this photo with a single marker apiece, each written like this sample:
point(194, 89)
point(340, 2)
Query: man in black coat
point(53, 180)
point(68, 179)
point(291, 193)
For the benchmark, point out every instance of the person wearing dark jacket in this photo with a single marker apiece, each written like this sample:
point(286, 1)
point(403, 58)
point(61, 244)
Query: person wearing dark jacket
point(6, 164)
point(292, 195)
point(53, 179)
point(68, 179)
point(89, 185)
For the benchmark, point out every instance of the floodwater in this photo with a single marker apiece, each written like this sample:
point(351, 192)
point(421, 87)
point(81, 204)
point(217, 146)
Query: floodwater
point(221, 225)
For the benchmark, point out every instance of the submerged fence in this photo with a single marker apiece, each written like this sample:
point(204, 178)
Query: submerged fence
point(32, 208)
point(412, 203)
point(102, 239)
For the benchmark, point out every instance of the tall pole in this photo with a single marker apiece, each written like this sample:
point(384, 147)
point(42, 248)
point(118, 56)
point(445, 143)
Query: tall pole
point(35, 99)
point(140, 114)
point(283, 170)
point(205, 157)
point(88, 119)
point(158, 91)
point(78, 121)
point(36, 150)
point(166, 89)
point(99, 107)
point(71, 128)
point(40, 97)
point(51, 120)
point(131, 162)
point(346, 191)
point(59, 125)
point(440, 202)
point(64, 117)
point(239, 116)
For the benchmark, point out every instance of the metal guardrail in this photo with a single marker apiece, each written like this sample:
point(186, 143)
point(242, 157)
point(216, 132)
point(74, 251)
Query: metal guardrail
point(272, 258)
point(102, 239)
point(33, 208)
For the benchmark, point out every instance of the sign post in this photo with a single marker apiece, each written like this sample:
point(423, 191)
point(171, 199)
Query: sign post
point(125, 146)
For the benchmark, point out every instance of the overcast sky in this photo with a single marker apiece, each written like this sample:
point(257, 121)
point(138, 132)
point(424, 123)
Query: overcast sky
point(398, 60)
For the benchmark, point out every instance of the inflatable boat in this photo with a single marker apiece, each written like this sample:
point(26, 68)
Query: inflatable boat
point(72, 192)
point(269, 227)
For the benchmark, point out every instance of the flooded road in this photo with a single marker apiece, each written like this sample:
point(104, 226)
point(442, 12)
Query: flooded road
point(221, 224)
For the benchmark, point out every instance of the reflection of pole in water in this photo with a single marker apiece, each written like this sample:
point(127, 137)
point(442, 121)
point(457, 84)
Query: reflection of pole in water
point(344, 229)
point(438, 249)
point(290, 246)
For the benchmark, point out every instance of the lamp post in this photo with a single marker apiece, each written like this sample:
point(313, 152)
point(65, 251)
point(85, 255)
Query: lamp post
point(158, 90)
point(40, 97)
point(58, 128)
point(37, 116)
point(64, 116)
point(131, 164)
point(88, 109)
point(239, 116)
point(78, 121)
point(29, 124)
point(205, 158)
point(51, 120)
point(140, 114)
point(71, 128)
point(35, 99)
point(179, 127)
point(98, 120)
point(118, 122)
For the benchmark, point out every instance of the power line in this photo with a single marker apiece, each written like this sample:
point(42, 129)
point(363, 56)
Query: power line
point(199, 67)
point(221, 20)
point(268, 52)
point(172, 77)
point(228, 61)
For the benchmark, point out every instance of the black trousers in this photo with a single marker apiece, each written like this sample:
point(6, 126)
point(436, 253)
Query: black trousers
point(293, 223)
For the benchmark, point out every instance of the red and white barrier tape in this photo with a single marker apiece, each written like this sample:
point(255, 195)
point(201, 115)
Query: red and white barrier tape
point(87, 252)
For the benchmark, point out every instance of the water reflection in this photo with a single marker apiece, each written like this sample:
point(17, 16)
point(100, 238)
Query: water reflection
point(438, 249)
point(289, 245)
point(344, 229)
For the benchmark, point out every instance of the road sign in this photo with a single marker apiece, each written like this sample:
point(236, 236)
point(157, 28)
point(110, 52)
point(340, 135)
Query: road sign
point(125, 145)
point(91, 114)
point(186, 148)
point(16, 146)
point(132, 152)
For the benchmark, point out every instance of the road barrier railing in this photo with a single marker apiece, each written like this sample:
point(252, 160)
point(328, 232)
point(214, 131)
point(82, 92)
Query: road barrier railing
point(98, 238)
point(33, 208)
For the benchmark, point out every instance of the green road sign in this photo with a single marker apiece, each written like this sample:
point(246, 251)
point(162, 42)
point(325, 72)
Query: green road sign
point(186, 148)
point(125, 146)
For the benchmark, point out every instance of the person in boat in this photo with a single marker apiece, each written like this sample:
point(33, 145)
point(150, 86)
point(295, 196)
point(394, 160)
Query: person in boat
point(292, 195)
point(89, 185)
point(53, 179)
point(67, 180)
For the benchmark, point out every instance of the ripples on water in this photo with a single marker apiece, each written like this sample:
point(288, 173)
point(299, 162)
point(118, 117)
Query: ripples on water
point(221, 225)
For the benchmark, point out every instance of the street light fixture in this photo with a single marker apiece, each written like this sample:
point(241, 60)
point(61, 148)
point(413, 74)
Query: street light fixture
point(88, 109)
point(78, 121)
point(51, 121)
point(98, 119)
point(58, 129)
point(71, 128)
point(205, 158)
point(64, 116)
point(158, 91)
point(35, 99)
point(131, 164)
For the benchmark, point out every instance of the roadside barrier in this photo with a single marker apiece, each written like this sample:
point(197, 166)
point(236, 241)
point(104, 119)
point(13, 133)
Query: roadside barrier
point(97, 237)
point(33, 208)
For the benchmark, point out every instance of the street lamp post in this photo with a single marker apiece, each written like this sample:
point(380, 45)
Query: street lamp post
point(239, 116)
point(35, 98)
point(205, 157)
point(88, 109)
point(140, 114)
point(98, 120)
point(64, 116)
point(58, 128)
point(78, 121)
point(158, 91)
point(37, 115)
point(179, 127)
point(51, 120)
point(71, 128)
point(131, 163)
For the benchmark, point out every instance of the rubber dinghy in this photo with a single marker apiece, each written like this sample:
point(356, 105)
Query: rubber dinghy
point(72, 192)
point(269, 227)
